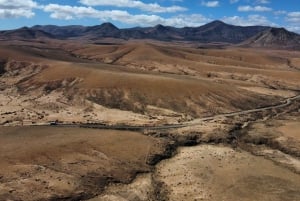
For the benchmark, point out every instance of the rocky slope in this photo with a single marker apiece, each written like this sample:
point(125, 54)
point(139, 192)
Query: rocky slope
point(275, 38)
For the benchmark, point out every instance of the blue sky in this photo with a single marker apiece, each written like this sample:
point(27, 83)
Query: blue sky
point(130, 13)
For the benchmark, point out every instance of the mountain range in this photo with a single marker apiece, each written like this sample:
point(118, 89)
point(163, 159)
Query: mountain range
point(213, 32)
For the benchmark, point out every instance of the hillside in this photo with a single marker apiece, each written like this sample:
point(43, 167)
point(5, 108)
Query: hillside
point(138, 83)
point(218, 31)
point(278, 38)
point(25, 33)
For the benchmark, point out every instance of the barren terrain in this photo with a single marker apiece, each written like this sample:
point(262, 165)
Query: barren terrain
point(210, 172)
point(227, 163)
point(234, 106)
point(39, 163)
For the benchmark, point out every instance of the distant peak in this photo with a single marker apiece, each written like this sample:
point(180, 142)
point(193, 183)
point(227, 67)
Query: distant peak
point(160, 27)
point(278, 30)
point(24, 28)
point(217, 22)
point(108, 25)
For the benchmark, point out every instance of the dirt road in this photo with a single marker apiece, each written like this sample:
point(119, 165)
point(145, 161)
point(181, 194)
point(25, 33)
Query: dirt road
point(194, 122)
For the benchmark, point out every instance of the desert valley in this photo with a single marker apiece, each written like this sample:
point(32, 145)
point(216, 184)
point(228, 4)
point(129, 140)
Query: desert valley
point(156, 113)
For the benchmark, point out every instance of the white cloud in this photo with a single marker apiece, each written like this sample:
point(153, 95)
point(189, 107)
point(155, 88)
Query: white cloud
point(233, 1)
point(250, 20)
point(211, 3)
point(262, 1)
point(254, 8)
point(192, 20)
point(280, 12)
point(293, 17)
point(294, 14)
point(151, 7)
point(66, 12)
point(294, 28)
point(16, 8)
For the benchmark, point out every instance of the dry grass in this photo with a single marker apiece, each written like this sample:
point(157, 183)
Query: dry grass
point(220, 173)
point(38, 163)
point(189, 60)
point(135, 91)
point(137, 76)
point(291, 129)
point(277, 134)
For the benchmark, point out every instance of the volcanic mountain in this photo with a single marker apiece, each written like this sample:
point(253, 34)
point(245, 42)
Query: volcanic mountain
point(213, 32)
point(275, 38)
point(105, 30)
point(216, 31)
point(61, 31)
point(24, 33)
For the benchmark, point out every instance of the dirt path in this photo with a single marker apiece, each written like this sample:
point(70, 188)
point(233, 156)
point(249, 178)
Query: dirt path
point(194, 122)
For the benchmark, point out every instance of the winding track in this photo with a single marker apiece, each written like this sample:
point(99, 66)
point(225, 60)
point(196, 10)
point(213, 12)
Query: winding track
point(194, 122)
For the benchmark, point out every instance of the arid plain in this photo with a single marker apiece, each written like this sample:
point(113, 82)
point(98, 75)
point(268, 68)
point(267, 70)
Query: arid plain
point(52, 92)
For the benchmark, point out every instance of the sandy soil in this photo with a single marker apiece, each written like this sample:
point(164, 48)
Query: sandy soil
point(42, 109)
point(291, 129)
point(280, 133)
point(141, 189)
point(209, 172)
point(219, 172)
point(267, 91)
point(42, 163)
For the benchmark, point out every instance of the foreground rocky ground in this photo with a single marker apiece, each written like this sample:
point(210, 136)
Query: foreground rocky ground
point(245, 157)
point(225, 162)
point(218, 172)
point(51, 163)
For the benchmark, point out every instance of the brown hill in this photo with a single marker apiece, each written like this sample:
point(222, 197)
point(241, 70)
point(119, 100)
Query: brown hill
point(184, 60)
point(143, 82)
